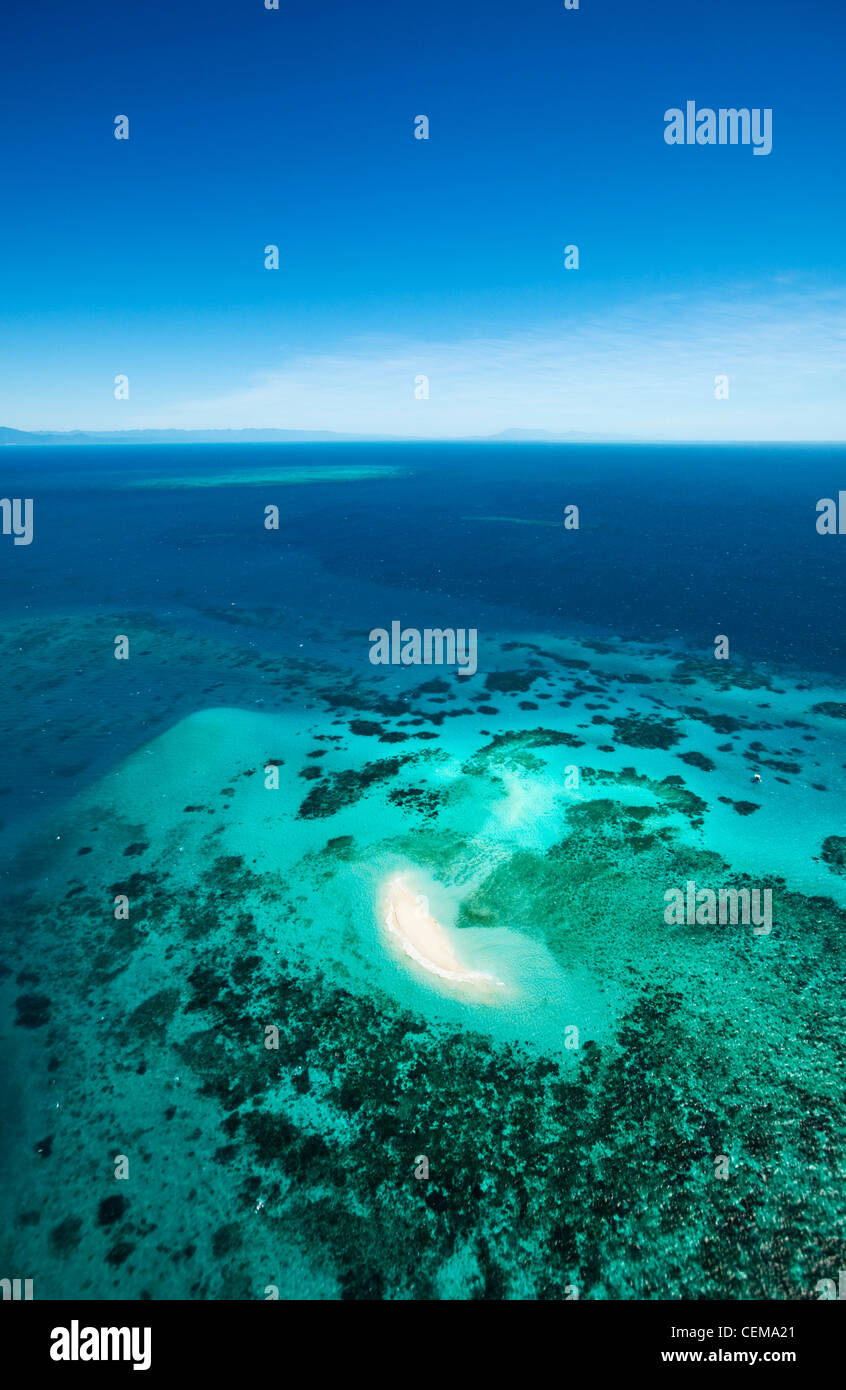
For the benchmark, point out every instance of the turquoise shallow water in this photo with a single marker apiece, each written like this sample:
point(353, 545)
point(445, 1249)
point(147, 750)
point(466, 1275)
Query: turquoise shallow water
point(571, 1129)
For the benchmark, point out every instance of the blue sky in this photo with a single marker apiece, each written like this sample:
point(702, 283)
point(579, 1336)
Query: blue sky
point(401, 257)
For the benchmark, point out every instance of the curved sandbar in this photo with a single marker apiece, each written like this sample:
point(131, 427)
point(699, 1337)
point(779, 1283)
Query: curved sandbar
point(421, 937)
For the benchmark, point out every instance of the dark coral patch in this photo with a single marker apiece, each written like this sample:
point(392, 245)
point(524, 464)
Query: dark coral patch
point(422, 800)
point(65, 1237)
point(720, 723)
point(834, 853)
point(32, 1010)
point(505, 745)
point(342, 789)
point(149, 1021)
point(648, 732)
point(226, 1239)
point(694, 759)
point(111, 1209)
point(120, 1252)
point(505, 682)
point(339, 842)
point(435, 687)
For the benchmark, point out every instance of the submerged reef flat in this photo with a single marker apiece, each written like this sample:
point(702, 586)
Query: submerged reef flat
point(279, 476)
point(533, 1086)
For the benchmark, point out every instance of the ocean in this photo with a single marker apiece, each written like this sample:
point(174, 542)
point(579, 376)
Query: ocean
point(324, 978)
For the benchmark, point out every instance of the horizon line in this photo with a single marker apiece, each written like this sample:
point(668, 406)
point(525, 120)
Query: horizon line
point(298, 436)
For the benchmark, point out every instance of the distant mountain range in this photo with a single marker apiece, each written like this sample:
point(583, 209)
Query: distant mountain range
point(10, 436)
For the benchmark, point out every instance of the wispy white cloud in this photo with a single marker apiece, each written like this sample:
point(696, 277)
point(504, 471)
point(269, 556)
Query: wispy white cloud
point(647, 369)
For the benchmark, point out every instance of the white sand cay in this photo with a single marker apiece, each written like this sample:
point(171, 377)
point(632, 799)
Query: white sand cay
point(422, 938)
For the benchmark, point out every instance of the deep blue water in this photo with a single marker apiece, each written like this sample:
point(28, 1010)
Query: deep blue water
point(676, 543)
